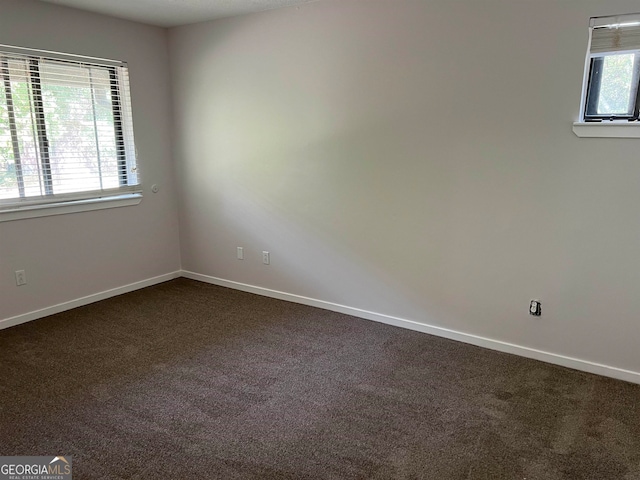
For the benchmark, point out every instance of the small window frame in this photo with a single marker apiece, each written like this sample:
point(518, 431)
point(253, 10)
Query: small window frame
point(593, 84)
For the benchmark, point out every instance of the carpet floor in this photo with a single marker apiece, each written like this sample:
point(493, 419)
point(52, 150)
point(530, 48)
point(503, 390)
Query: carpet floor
point(189, 380)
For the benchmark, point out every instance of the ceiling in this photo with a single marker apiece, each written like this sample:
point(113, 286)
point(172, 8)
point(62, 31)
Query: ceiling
point(171, 13)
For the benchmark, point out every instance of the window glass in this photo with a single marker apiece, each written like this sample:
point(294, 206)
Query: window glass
point(616, 95)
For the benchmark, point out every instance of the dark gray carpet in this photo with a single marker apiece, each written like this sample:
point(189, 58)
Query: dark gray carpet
point(188, 380)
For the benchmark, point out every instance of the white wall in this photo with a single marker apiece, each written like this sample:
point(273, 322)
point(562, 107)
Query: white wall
point(416, 159)
point(71, 256)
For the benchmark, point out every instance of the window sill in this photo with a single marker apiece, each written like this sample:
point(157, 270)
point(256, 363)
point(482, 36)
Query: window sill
point(62, 208)
point(607, 129)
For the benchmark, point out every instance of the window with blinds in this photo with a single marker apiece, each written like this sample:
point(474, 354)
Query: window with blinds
point(66, 130)
point(612, 73)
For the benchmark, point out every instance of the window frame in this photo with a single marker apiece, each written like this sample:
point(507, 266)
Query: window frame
point(592, 97)
point(50, 203)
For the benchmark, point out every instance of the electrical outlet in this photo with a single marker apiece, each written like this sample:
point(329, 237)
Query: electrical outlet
point(535, 308)
point(21, 278)
point(240, 253)
point(266, 258)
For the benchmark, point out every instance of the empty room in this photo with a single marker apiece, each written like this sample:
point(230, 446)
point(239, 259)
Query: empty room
point(330, 239)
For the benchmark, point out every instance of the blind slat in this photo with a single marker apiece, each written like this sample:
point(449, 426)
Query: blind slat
point(615, 39)
point(21, 52)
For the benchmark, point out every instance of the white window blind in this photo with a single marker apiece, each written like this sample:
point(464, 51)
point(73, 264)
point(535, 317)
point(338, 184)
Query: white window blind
point(615, 34)
point(66, 130)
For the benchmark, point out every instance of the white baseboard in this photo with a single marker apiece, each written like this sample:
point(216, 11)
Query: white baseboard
point(553, 358)
point(61, 307)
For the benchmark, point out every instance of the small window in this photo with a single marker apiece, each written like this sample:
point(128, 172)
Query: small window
point(66, 131)
point(612, 73)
